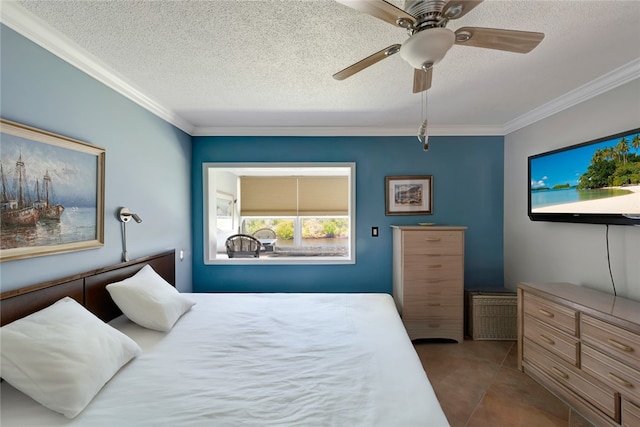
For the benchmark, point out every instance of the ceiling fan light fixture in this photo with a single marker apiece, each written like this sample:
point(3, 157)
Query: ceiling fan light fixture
point(427, 46)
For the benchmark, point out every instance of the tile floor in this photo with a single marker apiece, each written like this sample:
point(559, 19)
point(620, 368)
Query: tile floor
point(478, 385)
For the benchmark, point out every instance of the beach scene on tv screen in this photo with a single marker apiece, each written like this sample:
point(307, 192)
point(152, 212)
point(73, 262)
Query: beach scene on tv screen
point(598, 178)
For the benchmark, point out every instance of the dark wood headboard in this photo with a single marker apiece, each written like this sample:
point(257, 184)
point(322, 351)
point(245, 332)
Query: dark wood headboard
point(87, 288)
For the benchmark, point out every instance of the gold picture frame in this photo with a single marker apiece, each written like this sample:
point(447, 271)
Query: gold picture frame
point(409, 195)
point(51, 194)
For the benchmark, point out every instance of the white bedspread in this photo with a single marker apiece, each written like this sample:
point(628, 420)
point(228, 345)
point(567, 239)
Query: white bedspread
point(261, 360)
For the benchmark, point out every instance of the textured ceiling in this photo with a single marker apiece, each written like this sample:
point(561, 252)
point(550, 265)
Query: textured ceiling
point(234, 67)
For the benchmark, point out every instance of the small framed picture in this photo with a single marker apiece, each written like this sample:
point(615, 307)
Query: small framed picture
point(409, 195)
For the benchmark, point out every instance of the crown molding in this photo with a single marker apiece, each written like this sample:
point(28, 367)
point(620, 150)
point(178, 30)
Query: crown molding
point(602, 84)
point(33, 28)
point(462, 130)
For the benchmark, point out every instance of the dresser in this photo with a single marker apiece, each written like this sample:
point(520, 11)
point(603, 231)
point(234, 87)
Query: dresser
point(428, 280)
point(584, 346)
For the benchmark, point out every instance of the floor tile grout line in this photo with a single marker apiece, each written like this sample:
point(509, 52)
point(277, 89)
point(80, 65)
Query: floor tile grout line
point(489, 384)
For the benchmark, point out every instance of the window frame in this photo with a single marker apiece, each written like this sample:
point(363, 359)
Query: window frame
point(211, 188)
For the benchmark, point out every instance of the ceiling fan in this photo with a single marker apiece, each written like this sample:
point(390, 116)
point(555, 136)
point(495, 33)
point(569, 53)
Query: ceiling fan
point(429, 40)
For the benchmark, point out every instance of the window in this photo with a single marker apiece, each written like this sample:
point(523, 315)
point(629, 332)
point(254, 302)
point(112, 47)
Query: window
point(302, 213)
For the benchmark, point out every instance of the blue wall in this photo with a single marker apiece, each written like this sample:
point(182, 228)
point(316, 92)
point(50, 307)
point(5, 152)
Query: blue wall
point(468, 191)
point(147, 160)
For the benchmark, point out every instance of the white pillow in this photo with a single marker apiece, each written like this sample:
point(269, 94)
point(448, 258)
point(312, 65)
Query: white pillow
point(148, 300)
point(62, 355)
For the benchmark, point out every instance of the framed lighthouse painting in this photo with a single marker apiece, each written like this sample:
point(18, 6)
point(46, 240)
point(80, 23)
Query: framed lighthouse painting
point(51, 193)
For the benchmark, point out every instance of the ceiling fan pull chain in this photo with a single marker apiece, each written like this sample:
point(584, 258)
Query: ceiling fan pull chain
point(422, 131)
point(422, 135)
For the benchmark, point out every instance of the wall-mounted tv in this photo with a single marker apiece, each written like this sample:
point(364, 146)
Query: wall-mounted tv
point(595, 182)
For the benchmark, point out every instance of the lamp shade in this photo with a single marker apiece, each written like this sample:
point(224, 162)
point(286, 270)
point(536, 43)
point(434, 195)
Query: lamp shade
point(428, 46)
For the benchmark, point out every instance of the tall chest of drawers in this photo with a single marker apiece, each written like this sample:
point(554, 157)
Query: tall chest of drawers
point(428, 280)
point(583, 345)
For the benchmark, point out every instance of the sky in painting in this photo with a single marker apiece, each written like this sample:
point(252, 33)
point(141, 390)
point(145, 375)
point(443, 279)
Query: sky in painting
point(73, 173)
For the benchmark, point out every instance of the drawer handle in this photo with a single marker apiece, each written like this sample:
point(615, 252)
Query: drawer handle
point(434, 293)
point(620, 346)
point(434, 266)
point(559, 372)
point(433, 304)
point(434, 325)
point(546, 313)
point(547, 339)
point(433, 239)
point(620, 380)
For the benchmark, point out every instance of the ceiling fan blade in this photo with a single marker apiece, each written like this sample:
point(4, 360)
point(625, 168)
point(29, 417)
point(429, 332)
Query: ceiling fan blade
point(458, 8)
point(382, 10)
point(491, 38)
point(421, 80)
point(366, 62)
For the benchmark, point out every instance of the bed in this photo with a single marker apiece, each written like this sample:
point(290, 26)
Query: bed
point(239, 359)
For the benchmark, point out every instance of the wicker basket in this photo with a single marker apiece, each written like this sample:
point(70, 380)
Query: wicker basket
point(492, 315)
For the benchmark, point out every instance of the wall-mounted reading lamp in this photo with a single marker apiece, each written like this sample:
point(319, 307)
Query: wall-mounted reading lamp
point(125, 215)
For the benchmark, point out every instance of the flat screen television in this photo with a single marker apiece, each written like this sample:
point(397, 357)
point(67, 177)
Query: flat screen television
point(595, 182)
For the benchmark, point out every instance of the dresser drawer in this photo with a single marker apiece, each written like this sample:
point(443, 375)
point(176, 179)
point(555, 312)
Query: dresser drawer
point(433, 242)
point(435, 327)
point(434, 288)
point(621, 377)
point(549, 312)
point(593, 391)
point(562, 345)
point(630, 414)
point(613, 340)
point(433, 268)
point(434, 308)
point(441, 292)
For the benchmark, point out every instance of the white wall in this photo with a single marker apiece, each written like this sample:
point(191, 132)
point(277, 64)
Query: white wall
point(566, 252)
